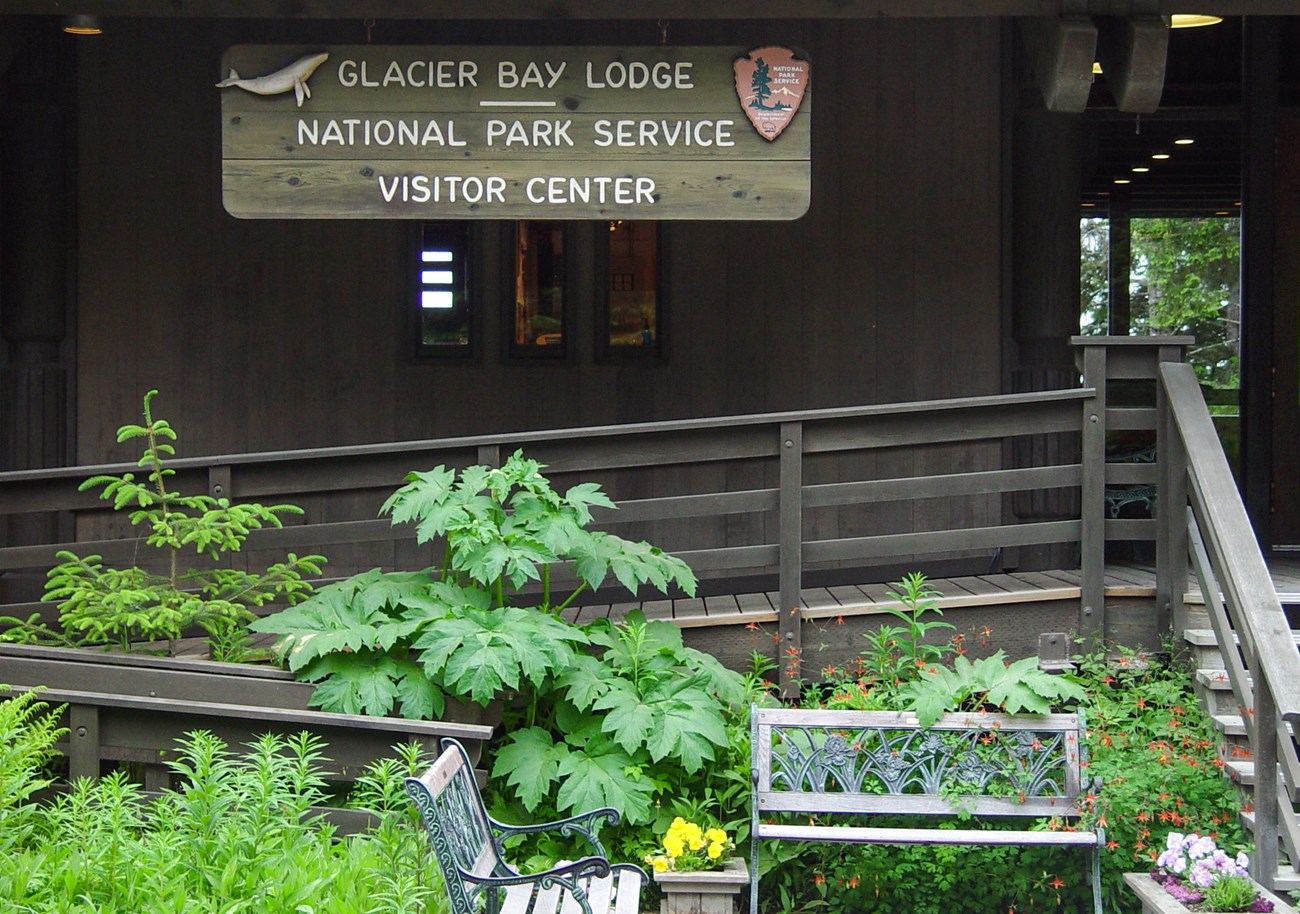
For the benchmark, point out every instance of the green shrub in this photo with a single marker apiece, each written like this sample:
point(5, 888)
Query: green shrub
point(237, 836)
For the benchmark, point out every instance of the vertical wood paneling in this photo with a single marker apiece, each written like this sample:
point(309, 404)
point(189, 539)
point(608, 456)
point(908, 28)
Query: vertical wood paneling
point(278, 334)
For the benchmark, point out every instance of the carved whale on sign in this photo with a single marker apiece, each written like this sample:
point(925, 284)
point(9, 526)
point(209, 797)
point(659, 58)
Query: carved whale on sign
point(293, 77)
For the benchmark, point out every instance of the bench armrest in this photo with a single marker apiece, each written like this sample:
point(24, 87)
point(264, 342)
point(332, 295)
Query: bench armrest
point(585, 824)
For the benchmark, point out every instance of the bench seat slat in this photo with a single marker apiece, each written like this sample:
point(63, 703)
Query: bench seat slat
point(628, 899)
point(516, 898)
point(866, 835)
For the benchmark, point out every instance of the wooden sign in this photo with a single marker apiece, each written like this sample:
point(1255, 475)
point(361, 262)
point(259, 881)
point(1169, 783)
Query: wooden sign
point(375, 132)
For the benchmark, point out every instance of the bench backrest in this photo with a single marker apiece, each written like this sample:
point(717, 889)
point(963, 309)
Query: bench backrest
point(884, 762)
point(449, 801)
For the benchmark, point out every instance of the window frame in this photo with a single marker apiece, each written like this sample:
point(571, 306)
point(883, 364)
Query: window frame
point(605, 353)
point(458, 237)
point(566, 352)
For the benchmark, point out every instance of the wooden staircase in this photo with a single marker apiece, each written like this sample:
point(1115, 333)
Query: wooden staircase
point(1213, 687)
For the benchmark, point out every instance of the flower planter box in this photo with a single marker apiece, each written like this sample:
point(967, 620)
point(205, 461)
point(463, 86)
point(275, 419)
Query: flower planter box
point(133, 708)
point(703, 892)
point(1155, 900)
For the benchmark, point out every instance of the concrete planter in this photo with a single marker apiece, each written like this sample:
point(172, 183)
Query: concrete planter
point(706, 892)
point(1155, 900)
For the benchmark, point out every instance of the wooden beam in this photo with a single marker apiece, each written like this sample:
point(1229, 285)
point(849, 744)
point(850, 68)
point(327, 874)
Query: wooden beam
point(1061, 52)
point(1132, 53)
point(614, 9)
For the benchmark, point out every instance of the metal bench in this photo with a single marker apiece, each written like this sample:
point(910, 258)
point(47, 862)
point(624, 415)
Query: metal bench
point(467, 844)
point(831, 764)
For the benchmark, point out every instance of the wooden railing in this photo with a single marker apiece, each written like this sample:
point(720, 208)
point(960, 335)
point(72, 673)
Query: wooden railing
point(1209, 523)
point(779, 497)
point(765, 502)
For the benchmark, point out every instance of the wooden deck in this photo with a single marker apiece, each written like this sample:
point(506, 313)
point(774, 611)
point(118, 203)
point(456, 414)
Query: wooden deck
point(1133, 580)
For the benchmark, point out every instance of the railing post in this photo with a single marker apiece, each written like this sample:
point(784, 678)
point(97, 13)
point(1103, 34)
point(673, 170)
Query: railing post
point(1265, 862)
point(790, 512)
point(1092, 499)
point(1171, 510)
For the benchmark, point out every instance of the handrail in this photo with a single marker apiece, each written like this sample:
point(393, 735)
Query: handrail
point(1249, 622)
point(1221, 514)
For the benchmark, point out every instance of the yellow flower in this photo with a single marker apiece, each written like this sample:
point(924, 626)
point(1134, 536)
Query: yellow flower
point(716, 836)
point(674, 845)
point(715, 850)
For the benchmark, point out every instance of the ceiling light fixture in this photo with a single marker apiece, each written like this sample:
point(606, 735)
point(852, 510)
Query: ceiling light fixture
point(1192, 20)
point(1160, 156)
point(82, 24)
point(1184, 141)
point(1140, 169)
point(1123, 181)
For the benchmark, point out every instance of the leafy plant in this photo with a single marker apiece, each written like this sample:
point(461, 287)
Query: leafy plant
point(620, 728)
point(988, 684)
point(381, 641)
point(896, 655)
point(237, 835)
point(28, 734)
point(99, 605)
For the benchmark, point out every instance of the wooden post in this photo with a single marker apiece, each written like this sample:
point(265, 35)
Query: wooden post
point(83, 741)
point(1171, 511)
point(1260, 54)
point(790, 649)
point(1092, 496)
point(1264, 862)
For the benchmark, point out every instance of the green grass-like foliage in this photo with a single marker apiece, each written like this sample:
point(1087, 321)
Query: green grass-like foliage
point(237, 835)
point(119, 606)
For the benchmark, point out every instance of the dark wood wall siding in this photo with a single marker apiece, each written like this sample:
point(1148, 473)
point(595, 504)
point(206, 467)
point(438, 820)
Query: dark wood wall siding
point(289, 334)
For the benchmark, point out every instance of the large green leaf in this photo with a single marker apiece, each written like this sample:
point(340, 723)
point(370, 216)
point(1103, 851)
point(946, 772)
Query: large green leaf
point(354, 685)
point(630, 720)
point(423, 494)
point(585, 680)
point(420, 698)
point(591, 779)
point(530, 762)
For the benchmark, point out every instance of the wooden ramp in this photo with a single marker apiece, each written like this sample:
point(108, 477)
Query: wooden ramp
point(872, 598)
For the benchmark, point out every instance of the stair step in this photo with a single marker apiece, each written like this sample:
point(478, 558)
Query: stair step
point(1233, 725)
point(1217, 680)
point(1241, 772)
point(1204, 637)
point(1229, 724)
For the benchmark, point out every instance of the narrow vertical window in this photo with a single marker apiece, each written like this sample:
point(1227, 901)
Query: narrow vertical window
point(632, 316)
point(538, 325)
point(441, 288)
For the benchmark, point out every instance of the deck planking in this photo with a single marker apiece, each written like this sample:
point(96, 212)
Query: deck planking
point(1129, 579)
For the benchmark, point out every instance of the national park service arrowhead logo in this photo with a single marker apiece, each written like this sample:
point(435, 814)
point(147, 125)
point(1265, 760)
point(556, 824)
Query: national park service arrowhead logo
point(770, 84)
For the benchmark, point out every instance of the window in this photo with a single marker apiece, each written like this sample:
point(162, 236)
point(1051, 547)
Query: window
point(441, 290)
point(538, 321)
point(632, 306)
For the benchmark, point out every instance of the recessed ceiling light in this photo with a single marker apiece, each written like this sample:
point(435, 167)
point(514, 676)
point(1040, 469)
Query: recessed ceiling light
point(1222, 212)
point(1160, 156)
point(1192, 20)
point(1094, 204)
point(1140, 169)
point(1184, 141)
point(1123, 181)
point(1096, 68)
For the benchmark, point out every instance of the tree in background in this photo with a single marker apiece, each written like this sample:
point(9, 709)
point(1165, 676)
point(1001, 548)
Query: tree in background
point(1184, 279)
